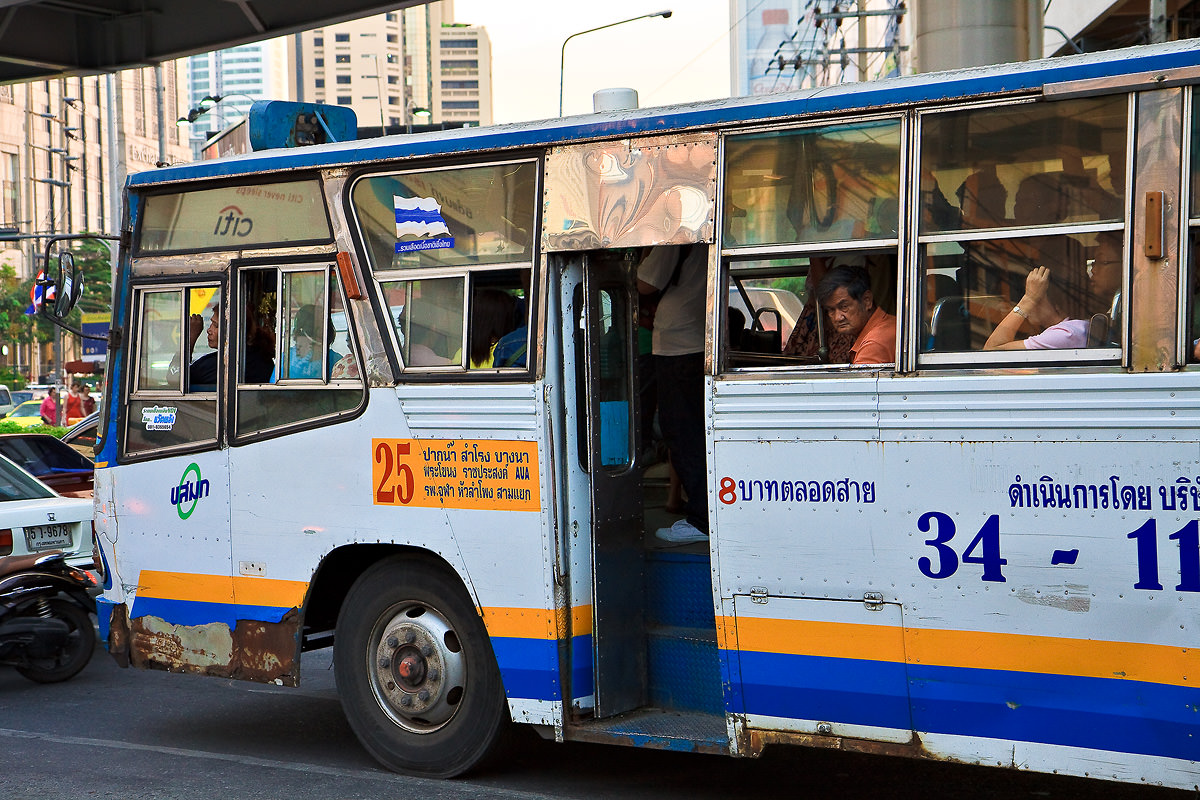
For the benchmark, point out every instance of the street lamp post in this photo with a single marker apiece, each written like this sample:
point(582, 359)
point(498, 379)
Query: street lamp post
point(378, 90)
point(562, 63)
point(206, 104)
point(415, 111)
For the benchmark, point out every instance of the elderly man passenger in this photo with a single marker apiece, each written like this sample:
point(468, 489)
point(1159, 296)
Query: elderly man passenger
point(845, 295)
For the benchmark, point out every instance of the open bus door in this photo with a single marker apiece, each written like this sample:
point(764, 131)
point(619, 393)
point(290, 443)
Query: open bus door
point(605, 345)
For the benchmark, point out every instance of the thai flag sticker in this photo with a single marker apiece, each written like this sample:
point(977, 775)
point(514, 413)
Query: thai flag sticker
point(421, 217)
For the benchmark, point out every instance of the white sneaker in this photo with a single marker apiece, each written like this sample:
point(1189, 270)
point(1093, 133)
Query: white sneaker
point(682, 532)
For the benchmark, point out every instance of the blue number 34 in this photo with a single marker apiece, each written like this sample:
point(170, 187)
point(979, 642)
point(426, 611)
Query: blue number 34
point(984, 548)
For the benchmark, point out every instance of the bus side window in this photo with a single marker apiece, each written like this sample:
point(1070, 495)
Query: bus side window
point(778, 300)
point(1191, 354)
point(159, 349)
point(169, 407)
point(430, 323)
point(436, 335)
point(289, 370)
point(1008, 171)
point(834, 191)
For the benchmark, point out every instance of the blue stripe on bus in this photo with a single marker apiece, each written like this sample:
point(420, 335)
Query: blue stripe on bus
point(583, 677)
point(528, 667)
point(846, 97)
point(191, 612)
point(829, 689)
point(104, 609)
point(1099, 713)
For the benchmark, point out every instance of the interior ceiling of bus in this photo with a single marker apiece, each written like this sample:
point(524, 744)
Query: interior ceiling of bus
point(55, 38)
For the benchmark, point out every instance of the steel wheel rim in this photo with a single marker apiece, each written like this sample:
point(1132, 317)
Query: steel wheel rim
point(417, 667)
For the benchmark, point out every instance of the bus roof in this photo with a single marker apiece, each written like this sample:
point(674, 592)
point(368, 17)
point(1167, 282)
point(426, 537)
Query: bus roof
point(1000, 79)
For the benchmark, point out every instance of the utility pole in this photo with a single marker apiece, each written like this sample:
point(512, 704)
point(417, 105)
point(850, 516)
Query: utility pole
point(160, 93)
point(1158, 21)
point(862, 51)
point(862, 41)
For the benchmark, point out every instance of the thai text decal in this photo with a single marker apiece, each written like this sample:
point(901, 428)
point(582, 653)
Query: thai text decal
point(439, 473)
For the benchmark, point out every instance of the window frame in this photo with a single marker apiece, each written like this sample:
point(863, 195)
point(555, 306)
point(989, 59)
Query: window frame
point(980, 359)
point(730, 255)
point(461, 371)
point(281, 267)
point(139, 289)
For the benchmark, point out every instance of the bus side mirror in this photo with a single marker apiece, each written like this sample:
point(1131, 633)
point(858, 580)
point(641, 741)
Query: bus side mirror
point(67, 281)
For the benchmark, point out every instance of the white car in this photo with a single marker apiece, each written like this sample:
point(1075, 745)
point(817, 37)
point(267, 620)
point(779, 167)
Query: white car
point(33, 519)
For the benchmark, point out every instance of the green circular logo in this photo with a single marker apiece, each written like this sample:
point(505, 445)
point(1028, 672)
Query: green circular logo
point(187, 491)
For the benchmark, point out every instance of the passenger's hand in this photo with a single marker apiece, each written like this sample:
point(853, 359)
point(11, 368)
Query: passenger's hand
point(195, 327)
point(1037, 283)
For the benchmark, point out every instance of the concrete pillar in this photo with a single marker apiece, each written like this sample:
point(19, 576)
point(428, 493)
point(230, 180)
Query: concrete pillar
point(949, 34)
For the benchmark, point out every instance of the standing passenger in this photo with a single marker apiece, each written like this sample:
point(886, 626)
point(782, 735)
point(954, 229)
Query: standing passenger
point(680, 275)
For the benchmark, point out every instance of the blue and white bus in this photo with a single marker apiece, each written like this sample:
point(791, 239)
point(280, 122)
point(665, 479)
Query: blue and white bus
point(951, 552)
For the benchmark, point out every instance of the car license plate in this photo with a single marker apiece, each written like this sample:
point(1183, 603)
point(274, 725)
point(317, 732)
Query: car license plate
point(46, 537)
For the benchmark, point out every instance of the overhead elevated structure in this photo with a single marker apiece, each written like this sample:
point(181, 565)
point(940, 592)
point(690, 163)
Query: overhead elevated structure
point(52, 38)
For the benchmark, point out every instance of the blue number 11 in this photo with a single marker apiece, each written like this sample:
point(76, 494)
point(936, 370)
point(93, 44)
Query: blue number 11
point(1147, 556)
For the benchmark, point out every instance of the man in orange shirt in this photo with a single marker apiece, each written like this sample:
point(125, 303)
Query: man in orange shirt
point(845, 294)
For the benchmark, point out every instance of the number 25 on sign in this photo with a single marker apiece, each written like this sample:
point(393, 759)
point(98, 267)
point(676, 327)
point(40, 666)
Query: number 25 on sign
point(392, 478)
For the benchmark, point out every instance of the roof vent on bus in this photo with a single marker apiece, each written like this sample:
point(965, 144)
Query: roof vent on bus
point(615, 100)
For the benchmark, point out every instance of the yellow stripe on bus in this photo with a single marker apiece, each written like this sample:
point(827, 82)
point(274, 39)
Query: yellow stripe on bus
point(1008, 652)
point(536, 623)
point(238, 589)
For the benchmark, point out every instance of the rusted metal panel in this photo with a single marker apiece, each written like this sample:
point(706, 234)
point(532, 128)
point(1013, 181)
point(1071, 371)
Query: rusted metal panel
point(631, 193)
point(1153, 299)
point(913, 748)
point(118, 635)
point(264, 652)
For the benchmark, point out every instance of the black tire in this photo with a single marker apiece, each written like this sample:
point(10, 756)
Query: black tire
point(415, 671)
point(74, 655)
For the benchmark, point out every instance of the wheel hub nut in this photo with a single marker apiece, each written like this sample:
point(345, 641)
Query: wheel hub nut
point(410, 669)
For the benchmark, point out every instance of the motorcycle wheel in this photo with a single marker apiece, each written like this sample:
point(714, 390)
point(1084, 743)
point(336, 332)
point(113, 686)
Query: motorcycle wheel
point(74, 655)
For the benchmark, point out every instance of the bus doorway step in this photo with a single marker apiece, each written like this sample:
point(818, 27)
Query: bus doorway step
point(683, 731)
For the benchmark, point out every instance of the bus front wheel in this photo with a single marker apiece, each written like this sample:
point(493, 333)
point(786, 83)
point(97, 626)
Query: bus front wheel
point(416, 673)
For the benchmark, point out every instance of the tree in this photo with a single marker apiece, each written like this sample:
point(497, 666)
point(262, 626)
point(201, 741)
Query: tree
point(92, 258)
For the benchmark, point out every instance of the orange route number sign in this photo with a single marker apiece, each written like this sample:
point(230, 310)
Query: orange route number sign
point(481, 474)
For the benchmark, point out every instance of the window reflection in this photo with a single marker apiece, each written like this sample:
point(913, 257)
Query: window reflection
point(474, 215)
point(435, 329)
point(971, 288)
point(158, 344)
point(1033, 164)
point(818, 185)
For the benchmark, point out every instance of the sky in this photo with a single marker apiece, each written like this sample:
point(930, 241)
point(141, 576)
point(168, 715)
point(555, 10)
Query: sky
point(675, 60)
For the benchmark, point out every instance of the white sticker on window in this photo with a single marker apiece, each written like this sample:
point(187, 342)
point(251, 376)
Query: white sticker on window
point(159, 418)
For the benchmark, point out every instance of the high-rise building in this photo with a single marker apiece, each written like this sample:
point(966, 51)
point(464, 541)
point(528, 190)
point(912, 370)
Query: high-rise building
point(414, 66)
point(65, 148)
point(238, 76)
point(450, 65)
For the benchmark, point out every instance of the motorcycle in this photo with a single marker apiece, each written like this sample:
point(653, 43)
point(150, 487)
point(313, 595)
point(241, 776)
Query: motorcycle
point(45, 628)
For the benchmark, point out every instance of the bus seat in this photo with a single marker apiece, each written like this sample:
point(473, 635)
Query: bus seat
point(958, 322)
point(1098, 330)
point(758, 338)
point(949, 325)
